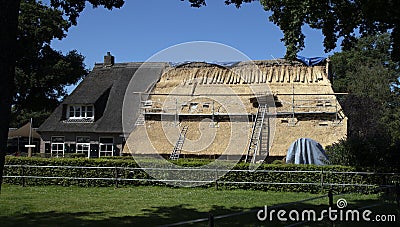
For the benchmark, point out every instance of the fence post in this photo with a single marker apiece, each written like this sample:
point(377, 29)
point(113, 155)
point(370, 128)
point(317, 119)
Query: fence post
point(385, 184)
point(398, 194)
point(210, 220)
point(23, 175)
point(216, 179)
point(322, 179)
point(330, 196)
point(116, 177)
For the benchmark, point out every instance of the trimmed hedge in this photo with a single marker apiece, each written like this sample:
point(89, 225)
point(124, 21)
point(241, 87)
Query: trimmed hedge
point(119, 167)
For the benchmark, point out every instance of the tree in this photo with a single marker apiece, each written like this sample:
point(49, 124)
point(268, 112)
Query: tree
point(367, 72)
point(41, 72)
point(200, 3)
point(8, 35)
point(347, 19)
point(39, 89)
point(9, 12)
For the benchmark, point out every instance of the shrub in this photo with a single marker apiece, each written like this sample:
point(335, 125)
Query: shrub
point(277, 162)
point(272, 175)
point(77, 155)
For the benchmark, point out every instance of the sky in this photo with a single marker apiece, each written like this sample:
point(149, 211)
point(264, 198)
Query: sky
point(142, 28)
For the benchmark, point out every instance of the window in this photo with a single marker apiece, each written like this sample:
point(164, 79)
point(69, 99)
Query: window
point(206, 105)
point(89, 112)
point(83, 145)
point(57, 146)
point(81, 112)
point(106, 146)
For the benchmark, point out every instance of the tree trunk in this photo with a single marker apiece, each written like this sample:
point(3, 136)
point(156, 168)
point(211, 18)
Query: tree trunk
point(9, 10)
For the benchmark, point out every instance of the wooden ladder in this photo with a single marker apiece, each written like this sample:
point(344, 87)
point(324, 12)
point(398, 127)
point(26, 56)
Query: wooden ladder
point(140, 120)
point(179, 144)
point(256, 134)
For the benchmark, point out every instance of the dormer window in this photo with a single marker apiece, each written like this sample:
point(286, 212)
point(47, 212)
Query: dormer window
point(81, 112)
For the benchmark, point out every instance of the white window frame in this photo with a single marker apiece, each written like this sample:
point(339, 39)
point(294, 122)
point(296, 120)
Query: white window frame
point(83, 112)
point(105, 152)
point(77, 150)
point(57, 144)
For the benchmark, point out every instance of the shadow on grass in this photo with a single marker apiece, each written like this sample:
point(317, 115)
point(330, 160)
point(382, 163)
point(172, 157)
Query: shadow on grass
point(157, 216)
point(152, 217)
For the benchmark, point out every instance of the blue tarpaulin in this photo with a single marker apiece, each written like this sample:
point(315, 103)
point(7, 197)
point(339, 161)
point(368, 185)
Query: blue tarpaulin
point(306, 151)
point(310, 61)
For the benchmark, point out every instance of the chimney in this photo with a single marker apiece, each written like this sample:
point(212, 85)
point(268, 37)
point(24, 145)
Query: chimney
point(108, 60)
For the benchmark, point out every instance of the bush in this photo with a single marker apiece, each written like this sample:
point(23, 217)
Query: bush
point(339, 153)
point(363, 154)
point(126, 168)
point(277, 162)
point(77, 155)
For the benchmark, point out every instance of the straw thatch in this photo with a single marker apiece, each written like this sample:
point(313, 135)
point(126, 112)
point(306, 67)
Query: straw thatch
point(200, 89)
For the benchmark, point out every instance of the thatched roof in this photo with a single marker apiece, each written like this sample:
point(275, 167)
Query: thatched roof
point(105, 88)
point(305, 106)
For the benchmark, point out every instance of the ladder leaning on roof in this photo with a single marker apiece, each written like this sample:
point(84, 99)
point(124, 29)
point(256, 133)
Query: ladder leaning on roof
point(256, 134)
point(179, 144)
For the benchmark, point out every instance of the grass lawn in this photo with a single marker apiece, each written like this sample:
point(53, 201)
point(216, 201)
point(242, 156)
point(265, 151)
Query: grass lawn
point(151, 206)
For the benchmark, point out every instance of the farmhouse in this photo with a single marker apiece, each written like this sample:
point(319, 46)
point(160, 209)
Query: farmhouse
point(89, 121)
point(199, 109)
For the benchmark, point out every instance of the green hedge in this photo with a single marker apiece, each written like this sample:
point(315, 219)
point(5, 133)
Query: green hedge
point(120, 168)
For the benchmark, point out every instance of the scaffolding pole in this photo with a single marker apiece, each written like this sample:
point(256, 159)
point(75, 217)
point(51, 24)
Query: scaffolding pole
point(236, 94)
